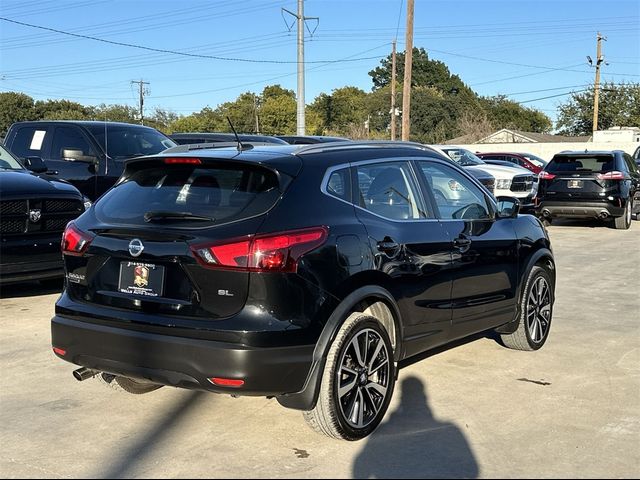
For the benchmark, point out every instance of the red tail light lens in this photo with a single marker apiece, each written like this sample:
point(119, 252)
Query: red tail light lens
point(275, 252)
point(75, 241)
point(546, 176)
point(615, 175)
point(59, 351)
point(182, 161)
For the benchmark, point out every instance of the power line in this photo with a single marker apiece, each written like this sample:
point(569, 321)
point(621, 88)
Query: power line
point(161, 50)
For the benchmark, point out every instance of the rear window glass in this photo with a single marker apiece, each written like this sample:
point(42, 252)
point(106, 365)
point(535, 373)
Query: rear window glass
point(218, 194)
point(587, 163)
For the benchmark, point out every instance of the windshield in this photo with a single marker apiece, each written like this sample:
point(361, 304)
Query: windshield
point(8, 161)
point(190, 195)
point(537, 161)
point(128, 142)
point(462, 156)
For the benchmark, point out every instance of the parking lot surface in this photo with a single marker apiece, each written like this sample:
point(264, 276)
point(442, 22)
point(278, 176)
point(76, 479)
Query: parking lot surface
point(476, 409)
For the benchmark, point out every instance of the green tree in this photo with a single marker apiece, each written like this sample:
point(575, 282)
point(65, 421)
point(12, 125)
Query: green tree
point(161, 119)
point(344, 112)
point(505, 113)
point(424, 72)
point(618, 105)
point(277, 110)
point(15, 107)
point(115, 113)
point(61, 110)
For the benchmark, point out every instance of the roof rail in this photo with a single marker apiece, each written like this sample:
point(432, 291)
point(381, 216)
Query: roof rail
point(356, 144)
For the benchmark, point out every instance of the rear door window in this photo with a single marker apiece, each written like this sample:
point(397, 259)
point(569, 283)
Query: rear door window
point(389, 190)
point(174, 195)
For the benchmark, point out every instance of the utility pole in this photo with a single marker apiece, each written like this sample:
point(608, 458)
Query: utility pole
point(393, 91)
point(596, 85)
point(300, 20)
point(143, 92)
point(406, 88)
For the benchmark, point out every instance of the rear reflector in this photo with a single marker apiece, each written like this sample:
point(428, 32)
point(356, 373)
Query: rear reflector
point(611, 176)
point(227, 382)
point(59, 351)
point(274, 252)
point(183, 161)
point(546, 176)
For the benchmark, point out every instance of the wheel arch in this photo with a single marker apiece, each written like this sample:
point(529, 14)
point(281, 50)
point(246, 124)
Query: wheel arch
point(543, 257)
point(373, 300)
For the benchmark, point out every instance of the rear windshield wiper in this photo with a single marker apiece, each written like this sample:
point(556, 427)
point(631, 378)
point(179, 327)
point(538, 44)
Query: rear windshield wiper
point(159, 216)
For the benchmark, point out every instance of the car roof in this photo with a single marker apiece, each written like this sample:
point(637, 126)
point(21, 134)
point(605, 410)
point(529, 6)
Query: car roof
point(85, 123)
point(227, 136)
point(287, 157)
point(581, 153)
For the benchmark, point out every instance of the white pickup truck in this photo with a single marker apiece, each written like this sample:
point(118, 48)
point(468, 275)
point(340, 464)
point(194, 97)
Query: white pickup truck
point(511, 181)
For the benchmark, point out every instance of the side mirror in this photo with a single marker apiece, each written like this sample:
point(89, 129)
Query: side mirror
point(35, 164)
point(508, 207)
point(72, 155)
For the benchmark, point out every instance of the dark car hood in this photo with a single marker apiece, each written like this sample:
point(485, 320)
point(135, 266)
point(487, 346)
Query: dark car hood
point(23, 183)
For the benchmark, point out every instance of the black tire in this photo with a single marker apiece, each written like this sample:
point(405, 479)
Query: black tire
point(624, 222)
point(128, 385)
point(367, 385)
point(536, 311)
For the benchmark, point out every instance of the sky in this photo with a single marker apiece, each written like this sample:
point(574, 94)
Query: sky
point(198, 53)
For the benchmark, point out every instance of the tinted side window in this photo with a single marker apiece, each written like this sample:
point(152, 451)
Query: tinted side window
point(28, 142)
point(456, 196)
point(631, 165)
point(388, 190)
point(339, 184)
point(69, 138)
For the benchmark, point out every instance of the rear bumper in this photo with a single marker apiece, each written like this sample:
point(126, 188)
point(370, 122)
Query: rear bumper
point(182, 362)
point(551, 209)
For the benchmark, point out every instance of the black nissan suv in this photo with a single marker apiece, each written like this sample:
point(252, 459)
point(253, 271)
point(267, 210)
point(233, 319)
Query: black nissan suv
point(590, 184)
point(301, 272)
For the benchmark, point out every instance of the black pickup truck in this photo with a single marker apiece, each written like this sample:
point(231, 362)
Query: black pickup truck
point(88, 154)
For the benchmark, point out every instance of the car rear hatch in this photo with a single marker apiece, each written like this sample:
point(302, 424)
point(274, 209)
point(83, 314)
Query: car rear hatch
point(587, 177)
point(145, 243)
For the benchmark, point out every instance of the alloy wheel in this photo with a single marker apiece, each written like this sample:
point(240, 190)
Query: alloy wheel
point(539, 310)
point(363, 378)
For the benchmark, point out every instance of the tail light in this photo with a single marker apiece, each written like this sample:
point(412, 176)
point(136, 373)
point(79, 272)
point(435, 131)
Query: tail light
point(74, 240)
point(182, 161)
point(615, 175)
point(546, 175)
point(263, 253)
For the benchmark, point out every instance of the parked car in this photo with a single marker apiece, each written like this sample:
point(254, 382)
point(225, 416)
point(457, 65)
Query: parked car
point(225, 275)
point(34, 210)
point(215, 137)
point(509, 180)
point(636, 156)
point(89, 154)
point(310, 139)
point(597, 184)
point(530, 163)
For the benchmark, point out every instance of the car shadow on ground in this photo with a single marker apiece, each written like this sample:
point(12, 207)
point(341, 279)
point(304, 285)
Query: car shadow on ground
point(412, 443)
point(31, 289)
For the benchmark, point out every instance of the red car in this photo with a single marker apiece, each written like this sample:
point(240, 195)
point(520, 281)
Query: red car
point(525, 160)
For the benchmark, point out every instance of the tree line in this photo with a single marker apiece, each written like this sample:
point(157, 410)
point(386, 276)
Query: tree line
point(442, 107)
